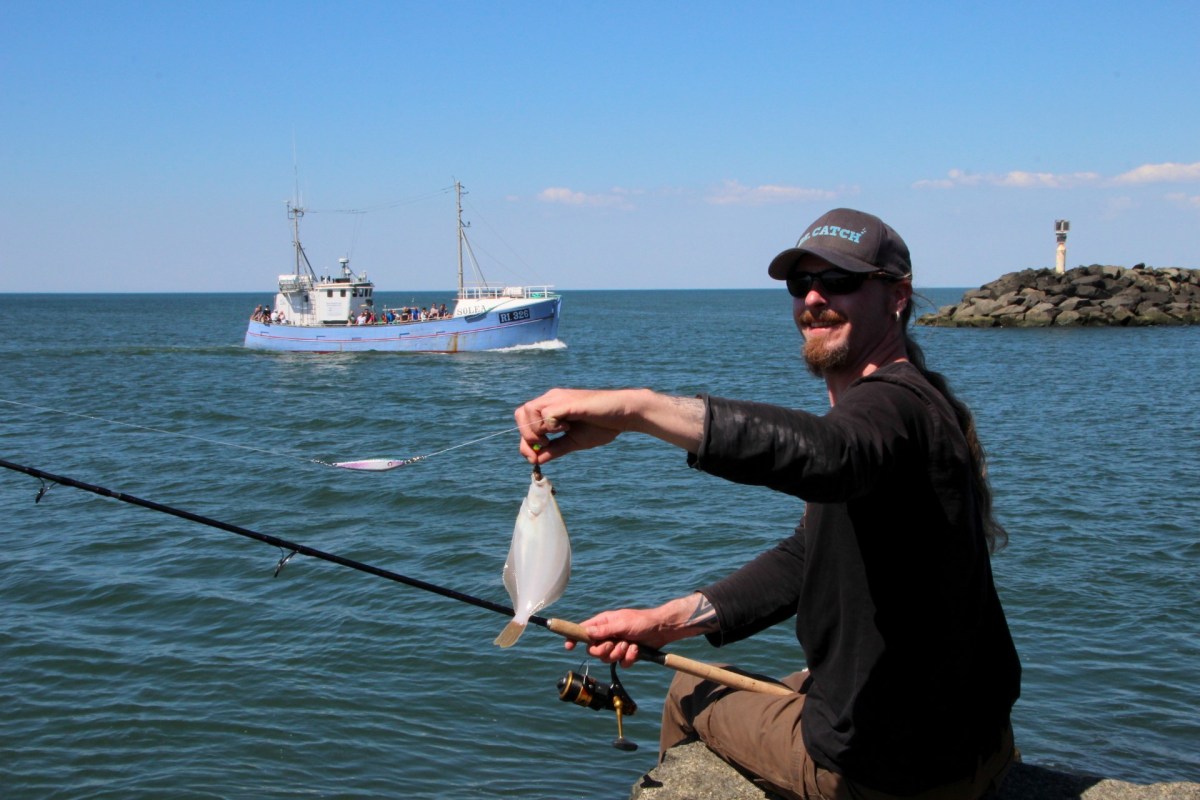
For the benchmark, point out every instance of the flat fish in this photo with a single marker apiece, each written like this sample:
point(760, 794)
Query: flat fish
point(375, 464)
point(539, 559)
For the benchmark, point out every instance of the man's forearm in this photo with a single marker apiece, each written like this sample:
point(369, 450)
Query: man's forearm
point(690, 615)
point(675, 420)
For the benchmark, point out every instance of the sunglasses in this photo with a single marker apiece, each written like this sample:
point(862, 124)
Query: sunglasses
point(834, 281)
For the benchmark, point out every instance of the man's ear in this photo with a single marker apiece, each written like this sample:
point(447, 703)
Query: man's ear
point(901, 295)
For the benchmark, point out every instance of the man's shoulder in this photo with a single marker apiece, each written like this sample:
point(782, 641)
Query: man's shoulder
point(899, 373)
point(904, 385)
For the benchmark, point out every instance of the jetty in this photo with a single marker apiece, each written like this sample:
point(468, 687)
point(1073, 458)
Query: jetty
point(693, 772)
point(1095, 295)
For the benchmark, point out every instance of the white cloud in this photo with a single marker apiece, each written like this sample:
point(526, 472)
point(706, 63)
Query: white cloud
point(1017, 179)
point(1048, 180)
point(1185, 200)
point(1161, 173)
point(734, 193)
point(616, 198)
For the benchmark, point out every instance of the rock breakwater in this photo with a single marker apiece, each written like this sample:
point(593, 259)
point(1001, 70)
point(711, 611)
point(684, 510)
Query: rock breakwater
point(693, 772)
point(1083, 296)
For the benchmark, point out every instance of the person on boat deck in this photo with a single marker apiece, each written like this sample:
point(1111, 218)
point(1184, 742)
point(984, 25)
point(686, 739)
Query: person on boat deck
point(911, 670)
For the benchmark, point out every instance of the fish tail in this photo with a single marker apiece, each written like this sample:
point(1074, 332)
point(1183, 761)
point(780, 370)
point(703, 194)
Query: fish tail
point(508, 637)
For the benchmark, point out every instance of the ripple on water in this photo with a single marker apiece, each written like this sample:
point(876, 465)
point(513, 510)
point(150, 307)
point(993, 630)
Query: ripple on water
point(150, 656)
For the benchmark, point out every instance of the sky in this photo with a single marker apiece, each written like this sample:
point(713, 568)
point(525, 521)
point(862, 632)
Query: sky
point(154, 146)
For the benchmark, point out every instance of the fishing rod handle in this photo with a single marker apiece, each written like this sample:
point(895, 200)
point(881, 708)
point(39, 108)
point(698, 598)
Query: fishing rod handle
point(699, 669)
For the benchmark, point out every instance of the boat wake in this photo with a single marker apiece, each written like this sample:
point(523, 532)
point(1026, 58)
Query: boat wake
point(553, 344)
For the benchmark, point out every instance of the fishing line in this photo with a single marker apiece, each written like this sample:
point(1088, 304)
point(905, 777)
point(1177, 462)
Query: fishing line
point(160, 430)
point(365, 465)
point(384, 464)
point(568, 630)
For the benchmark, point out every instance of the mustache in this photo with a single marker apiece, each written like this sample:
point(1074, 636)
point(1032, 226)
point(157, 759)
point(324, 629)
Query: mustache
point(826, 316)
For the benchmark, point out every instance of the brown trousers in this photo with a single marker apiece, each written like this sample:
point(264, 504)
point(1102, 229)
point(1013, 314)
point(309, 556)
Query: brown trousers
point(761, 734)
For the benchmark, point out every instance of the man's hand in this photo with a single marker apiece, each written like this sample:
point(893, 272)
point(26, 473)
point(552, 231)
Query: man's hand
point(589, 418)
point(616, 635)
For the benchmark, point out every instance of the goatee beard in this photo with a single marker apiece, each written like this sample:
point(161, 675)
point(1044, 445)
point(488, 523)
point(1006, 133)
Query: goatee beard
point(820, 355)
point(823, 358)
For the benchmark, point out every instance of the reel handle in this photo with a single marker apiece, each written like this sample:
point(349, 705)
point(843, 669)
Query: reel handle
point(621, 743)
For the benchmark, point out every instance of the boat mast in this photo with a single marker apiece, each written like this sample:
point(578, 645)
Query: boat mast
point(462, 234)
point(294, 214)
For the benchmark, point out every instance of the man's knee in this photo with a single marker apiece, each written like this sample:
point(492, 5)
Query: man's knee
point(683, 686)
point(686, 698)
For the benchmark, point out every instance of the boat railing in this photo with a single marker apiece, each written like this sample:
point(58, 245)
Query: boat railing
point(290, 284)
point(504, 292)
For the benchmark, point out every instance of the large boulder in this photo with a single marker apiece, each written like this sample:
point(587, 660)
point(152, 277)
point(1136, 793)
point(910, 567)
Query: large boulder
point(692, 772)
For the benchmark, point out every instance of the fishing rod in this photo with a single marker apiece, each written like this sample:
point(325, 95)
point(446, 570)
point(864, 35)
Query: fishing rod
point(579, 689)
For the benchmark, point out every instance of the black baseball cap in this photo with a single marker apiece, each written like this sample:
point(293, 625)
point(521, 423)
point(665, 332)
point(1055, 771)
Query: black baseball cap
point(852, 240)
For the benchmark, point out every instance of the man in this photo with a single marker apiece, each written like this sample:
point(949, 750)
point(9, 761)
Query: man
point(911, 669)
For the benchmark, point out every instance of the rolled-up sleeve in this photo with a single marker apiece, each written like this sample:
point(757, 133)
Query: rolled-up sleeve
point(762, 593)
point(828, 459)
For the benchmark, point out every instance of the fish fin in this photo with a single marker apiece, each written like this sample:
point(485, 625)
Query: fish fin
point(508, 637)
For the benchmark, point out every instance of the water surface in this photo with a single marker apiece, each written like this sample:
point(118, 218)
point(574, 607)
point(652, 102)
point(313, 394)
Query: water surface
point(146, 656)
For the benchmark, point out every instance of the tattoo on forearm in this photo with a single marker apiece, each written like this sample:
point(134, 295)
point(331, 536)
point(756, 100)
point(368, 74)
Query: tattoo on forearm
point(704, 616)
point(689, 408)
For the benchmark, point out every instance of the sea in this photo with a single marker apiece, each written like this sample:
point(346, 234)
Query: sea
point(147, 656)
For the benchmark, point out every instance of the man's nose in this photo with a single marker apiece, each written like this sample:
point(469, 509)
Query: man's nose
point(815, 297)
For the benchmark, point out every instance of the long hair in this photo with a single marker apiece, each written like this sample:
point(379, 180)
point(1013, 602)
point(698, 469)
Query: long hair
point(993, 532)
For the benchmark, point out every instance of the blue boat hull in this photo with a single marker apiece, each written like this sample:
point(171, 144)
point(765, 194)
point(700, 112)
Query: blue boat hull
point(495, 330)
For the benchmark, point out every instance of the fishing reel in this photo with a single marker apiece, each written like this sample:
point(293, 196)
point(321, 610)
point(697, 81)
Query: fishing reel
point(584, 690)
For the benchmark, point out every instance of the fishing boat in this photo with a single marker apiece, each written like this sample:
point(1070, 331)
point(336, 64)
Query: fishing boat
point(337, 313)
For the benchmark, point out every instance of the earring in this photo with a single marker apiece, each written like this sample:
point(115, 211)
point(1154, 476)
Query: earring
point(897, 316)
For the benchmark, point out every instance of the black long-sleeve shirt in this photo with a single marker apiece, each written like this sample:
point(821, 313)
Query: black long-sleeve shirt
point(913, 668)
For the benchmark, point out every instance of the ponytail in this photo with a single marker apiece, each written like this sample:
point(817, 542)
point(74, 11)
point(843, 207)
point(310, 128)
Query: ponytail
point(993, 532)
